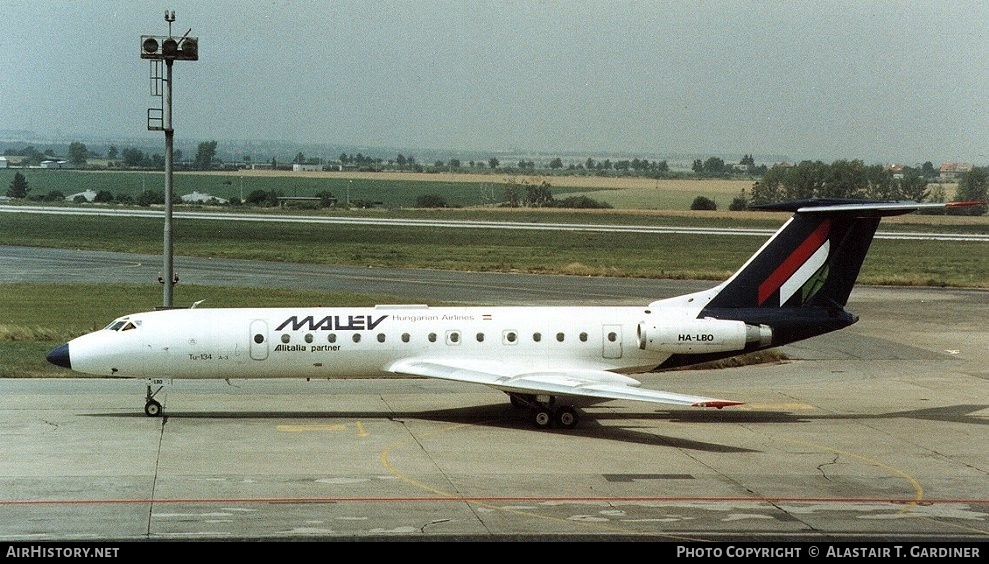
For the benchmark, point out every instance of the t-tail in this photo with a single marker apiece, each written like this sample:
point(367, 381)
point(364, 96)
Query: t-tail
point(797, 284)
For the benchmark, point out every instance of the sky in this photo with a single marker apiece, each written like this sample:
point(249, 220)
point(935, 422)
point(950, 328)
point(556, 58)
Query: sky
point(882, 81)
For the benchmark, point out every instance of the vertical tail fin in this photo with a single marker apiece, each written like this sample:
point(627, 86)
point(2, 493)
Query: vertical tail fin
point(796, 286)
point(813, 260)
point(798, 283)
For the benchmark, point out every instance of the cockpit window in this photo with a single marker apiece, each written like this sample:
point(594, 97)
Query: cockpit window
point(123, 325)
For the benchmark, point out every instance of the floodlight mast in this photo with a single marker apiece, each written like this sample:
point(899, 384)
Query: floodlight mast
point(169, 50)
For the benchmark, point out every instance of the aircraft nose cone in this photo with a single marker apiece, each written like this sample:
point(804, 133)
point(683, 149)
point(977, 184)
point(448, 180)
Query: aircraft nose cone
point(60, 356)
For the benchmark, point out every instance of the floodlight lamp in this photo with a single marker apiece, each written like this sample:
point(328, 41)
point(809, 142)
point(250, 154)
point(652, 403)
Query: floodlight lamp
point(149, 45)
point(170, 48)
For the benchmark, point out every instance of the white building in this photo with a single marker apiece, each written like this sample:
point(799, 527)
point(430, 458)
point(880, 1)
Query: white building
point(3, 162)
point(201, 198)
point(89, 195)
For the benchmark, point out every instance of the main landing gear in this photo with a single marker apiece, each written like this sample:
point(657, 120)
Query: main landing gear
point(151, 407)
point(543, 414)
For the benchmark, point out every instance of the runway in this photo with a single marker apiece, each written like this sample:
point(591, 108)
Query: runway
point(877, 432)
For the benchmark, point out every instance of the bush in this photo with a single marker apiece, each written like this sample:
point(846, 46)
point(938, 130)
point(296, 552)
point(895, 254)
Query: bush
point(739, 203)
point(580, 202)
point(262, 198)
point(103, 197)
point(430, 201)
point(703, 203)
point(150, 197)
point(326, 199)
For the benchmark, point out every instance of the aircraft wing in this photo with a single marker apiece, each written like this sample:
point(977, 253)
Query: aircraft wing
point(589, 383)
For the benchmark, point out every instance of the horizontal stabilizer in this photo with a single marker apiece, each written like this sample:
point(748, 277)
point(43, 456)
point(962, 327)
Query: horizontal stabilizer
point(858, 208)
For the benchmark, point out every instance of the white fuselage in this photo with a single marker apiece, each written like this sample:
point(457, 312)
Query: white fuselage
point(362, 341)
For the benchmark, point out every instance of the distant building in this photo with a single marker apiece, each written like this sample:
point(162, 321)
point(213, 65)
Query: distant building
point(54, 164)
point(3, 162)
point(306, 167)
point(950, 171)
point(89, 195)
point(201, 198)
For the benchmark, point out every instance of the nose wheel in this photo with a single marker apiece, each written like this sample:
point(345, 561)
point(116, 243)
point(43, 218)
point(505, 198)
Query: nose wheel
point(152, 409)
point(151, 406)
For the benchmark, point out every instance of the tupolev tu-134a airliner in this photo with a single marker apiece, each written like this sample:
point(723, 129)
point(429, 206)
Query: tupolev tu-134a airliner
point(548, 359)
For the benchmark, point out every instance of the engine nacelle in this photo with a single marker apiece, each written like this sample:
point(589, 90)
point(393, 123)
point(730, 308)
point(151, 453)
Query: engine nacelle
point(699, 336)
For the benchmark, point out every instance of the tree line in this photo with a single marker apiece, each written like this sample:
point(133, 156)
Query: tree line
point(807, 179)
point(856, 180)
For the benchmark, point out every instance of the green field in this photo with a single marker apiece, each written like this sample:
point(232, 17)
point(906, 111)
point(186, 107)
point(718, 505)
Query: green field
point(708, 257)
point(390, 193)
point(387, 190)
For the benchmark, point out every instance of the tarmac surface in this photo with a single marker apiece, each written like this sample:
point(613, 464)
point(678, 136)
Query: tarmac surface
point(873, 433)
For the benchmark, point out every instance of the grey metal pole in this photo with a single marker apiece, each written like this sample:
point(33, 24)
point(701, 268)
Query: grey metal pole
point(167, 49)
point(167, 275)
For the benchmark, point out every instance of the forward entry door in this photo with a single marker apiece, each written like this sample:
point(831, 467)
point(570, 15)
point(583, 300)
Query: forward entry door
point(259, 339)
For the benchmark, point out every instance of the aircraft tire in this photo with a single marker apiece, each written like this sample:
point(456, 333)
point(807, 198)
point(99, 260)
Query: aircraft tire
point(542, 417)
point(152, 409)
point(566, 417)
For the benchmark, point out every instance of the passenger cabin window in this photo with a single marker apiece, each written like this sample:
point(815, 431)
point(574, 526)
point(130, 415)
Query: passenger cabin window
point(509, 337)
point(583, 337)
point(453, 337)
point(480, 337)
point(286, 338)
point(331, 338)
point(537, 337)
point(259, 338)
point(405, 337)
point(381, 337)
point(308, 337)
point(432, 337)
point(357, 337)
point(560, 337)
point(612, 336)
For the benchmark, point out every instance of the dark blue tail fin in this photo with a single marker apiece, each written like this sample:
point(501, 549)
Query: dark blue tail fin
point(796, 286)
point(813, 260)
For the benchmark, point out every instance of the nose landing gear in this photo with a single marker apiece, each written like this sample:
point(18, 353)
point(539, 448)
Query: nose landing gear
point(151, 407)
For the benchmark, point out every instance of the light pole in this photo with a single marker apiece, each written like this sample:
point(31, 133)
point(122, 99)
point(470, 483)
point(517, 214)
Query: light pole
point(168, 49)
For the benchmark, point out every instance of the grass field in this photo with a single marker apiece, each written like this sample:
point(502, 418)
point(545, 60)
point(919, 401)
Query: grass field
point(392, 189)
point(395, 190)
point(683, 256)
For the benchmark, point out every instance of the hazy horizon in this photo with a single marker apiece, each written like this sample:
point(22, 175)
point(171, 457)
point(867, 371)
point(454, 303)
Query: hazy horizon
point(886, 82)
